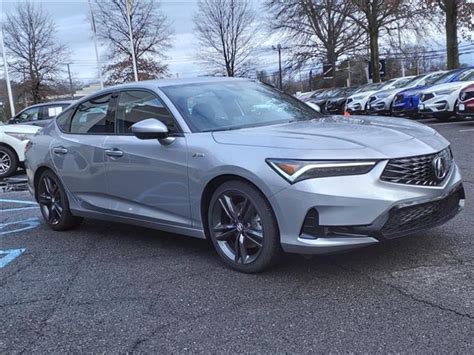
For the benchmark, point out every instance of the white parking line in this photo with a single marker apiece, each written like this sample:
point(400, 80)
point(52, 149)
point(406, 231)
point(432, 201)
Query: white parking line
point(466, 130)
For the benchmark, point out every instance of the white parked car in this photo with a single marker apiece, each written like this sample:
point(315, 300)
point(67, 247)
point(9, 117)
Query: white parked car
point(440, 100)
point(13, 140)
point(382, 101)
point(358, 102)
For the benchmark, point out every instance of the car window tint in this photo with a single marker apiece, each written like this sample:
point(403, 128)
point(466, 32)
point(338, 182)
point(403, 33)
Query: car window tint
point(93, 117)
point(64, 120)
point(137, 105)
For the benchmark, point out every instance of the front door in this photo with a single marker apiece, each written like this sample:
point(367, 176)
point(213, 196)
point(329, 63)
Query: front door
point(146, 179)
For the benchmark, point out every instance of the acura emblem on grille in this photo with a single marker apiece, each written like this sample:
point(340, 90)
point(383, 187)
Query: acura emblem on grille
point(463, 96)
point(439, 166)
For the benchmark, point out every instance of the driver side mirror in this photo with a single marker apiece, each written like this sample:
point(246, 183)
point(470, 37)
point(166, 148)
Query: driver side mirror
point(151, 128)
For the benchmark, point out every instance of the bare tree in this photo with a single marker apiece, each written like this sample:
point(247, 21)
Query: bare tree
point(458, 16)
point(376, 17)
point(318, 29)
point(151, 38)
point(37, 58)
point(225, 33)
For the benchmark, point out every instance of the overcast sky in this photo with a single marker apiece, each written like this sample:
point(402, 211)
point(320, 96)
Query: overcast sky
point(73, 29)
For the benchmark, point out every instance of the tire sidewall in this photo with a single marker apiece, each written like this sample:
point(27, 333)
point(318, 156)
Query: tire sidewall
point(271, 235)
point(13, 162)
point(66, 215)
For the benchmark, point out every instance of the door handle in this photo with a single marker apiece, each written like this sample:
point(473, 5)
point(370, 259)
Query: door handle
point(59, 150)
point(116, 153)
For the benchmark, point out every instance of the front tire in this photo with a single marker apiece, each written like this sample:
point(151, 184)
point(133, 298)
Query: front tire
point(54, 203)
point(8, 162)
point(243, 228)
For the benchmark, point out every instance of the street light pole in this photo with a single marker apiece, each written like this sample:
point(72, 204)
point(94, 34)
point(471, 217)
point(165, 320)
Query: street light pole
point(130, 32)
point(280, 77)
point(94, 30)
point(7, 76)
point(71, 89)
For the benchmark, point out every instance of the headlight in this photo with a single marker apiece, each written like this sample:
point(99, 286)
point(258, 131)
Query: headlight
point(298, 170)
point(357, 97)
point(20, 136)
point(382, 95)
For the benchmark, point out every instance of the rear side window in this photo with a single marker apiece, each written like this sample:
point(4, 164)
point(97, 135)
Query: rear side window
point(93, 117)
point(51, 112)
point(137, 105)
point(64, 120)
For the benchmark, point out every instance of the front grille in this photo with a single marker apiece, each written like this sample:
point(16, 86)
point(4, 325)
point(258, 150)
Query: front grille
point(406, 220)
point(426, 97)
point(418, 170)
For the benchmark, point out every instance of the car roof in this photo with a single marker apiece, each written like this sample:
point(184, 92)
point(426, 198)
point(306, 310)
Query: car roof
point(51, 103)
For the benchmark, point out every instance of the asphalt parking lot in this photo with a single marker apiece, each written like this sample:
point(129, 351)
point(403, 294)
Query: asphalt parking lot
point(114, 288)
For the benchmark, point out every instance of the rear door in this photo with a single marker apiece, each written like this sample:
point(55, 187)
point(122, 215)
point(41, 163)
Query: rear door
point(78, 153)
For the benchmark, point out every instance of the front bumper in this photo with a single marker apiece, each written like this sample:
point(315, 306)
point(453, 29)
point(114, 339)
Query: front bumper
point(356, 211)
point(437, 104)
point(379, 106)
point(465, 109)
point(356, 106)
point(405, 105)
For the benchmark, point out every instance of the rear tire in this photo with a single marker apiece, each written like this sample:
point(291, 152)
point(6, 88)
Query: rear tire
point(8, 162)
point(54, 203)
point(243, 228)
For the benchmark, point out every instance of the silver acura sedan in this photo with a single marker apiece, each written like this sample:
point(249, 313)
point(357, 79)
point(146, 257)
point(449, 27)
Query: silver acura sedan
point(254, 170)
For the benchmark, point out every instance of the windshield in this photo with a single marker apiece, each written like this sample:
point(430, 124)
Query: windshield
point(235, 104)
point(446, 77)
point(467, 75)
point(431, 79)
point(403, 82)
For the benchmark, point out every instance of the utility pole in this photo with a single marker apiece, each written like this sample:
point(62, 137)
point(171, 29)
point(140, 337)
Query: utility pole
point(130, 33)
point(99, 65)
point(7, 76)
point(280, 76)
point(71, 89)
point(349, 73)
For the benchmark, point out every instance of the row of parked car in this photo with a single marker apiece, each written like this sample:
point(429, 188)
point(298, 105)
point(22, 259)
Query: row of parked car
point(442, 94)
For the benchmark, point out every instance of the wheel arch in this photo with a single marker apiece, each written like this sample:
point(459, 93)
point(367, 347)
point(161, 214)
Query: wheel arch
point(39, 171)
point(212, 186)
point(11, 148)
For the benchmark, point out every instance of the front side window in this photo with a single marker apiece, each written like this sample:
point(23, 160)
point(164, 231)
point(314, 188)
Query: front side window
point(235, 104)
point(31, 114)
point(137, 105)
point(93, 117)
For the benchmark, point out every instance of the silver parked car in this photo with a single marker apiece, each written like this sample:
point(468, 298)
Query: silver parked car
point(253, 169)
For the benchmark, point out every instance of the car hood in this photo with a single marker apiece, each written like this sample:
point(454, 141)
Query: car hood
point(445, 86)
point(361, 95)
point(414, 90)
point(382, 137)
point(19, 128)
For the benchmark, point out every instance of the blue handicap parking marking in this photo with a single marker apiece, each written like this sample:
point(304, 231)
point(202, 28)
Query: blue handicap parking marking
point(18, 226)
point(7, 200)
point(7, 256)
